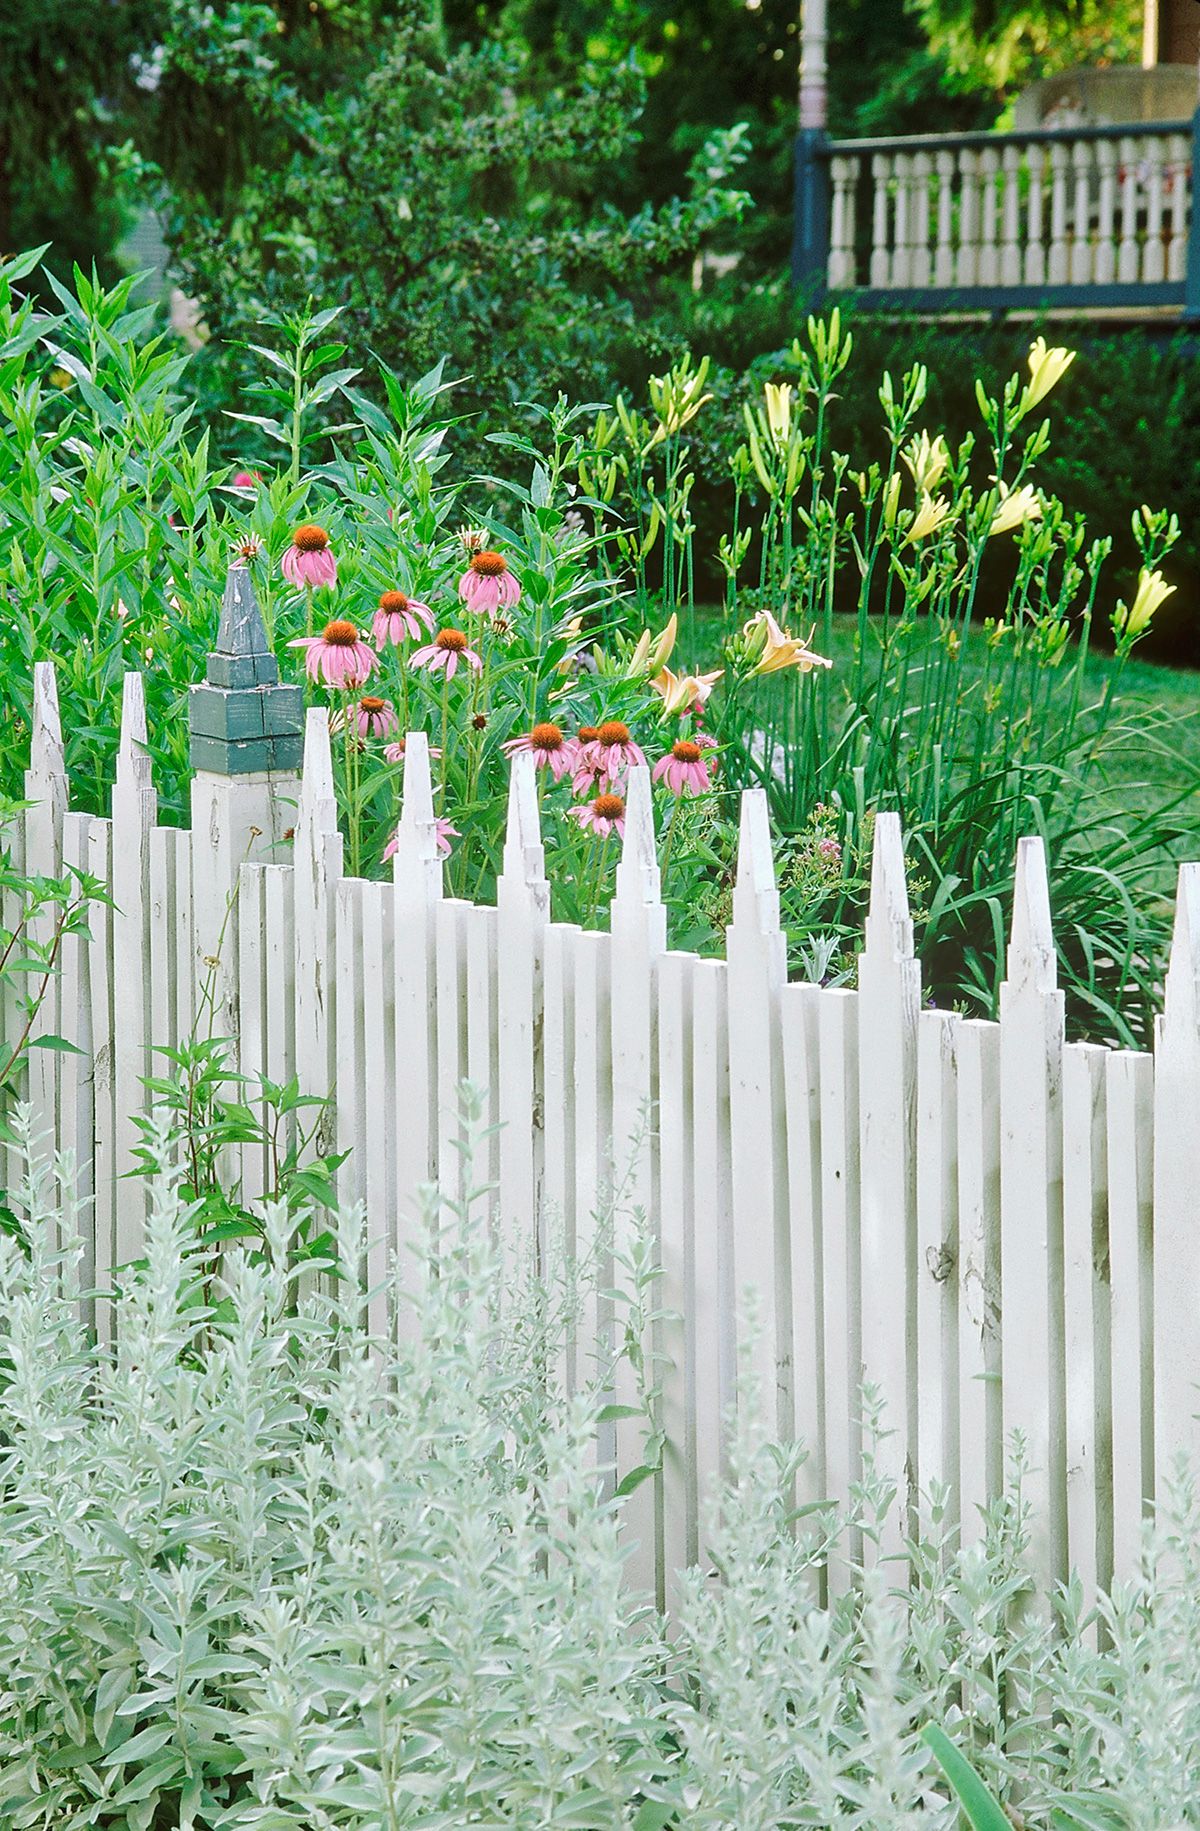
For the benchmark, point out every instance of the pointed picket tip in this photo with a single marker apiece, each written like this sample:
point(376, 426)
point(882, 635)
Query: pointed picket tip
point(316, 781)
point(524, 864)
point(242, 631)
point(1032, 959)
point(755, 895)
point(889, 923)
point(417, 859)
point(1181, 998)
point(638, 882)
point(46, 756)
point(133, 761)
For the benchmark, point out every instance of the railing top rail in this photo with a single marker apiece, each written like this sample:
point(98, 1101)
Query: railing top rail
point(1033, 136)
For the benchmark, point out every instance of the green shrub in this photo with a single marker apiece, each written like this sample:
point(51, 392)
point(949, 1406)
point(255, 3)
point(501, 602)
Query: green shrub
point(261, 1568)
point(119, 524)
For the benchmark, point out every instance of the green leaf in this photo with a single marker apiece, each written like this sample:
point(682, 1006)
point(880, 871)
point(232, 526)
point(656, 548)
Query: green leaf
point(981, 1807)
point(634, 1479)
point(58, 1043)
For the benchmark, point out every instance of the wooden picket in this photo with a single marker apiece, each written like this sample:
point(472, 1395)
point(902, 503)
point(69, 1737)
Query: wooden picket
point(988, 1228)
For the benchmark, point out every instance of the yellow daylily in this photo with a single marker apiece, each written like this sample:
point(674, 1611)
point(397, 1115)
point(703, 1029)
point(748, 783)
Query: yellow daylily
point(926, 459)
point(1046, 369)
point(930, 516)
point(680, 692)
point(1016, 507)
point(653, 652)
point(1152, 593)
point(779, 410)
point(779, 650)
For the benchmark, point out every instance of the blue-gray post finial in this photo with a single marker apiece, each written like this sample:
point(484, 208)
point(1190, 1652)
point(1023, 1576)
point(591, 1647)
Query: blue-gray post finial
point(242, 721)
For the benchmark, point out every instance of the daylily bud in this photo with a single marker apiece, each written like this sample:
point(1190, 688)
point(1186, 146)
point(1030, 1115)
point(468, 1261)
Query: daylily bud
point(1046, 369)
point(1152, 592)
point(927, 460)
point(779, 410)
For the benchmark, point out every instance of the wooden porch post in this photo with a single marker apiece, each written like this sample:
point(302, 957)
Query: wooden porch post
point(810, 245)
point(1171, 32)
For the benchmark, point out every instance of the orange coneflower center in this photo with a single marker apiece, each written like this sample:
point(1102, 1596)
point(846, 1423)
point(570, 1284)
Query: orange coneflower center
point(393, 602)
point(451, 639)
point(547, 737)
point(488, 564)
point(613, 732)
point(608, 807)
point(372, 705)
point(340, 634)
point(683, 752)
point(310, 538)
point(588, 734)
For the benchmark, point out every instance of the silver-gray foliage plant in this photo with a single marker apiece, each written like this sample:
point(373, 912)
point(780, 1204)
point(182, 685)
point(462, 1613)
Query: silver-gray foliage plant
point(260, 1568)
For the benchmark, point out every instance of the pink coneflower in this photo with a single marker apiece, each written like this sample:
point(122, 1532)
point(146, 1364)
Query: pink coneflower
point(548, 747)
point(685, 769)
point(338, 656)
point(487, 585)
point(447, 649)
point(372, 717)
point(395, 752)
point(246, 479)
point(398, 617)
point(615, 750)
point(585, 762)
point(308, 561)
point(445, 833)
point(604, 815)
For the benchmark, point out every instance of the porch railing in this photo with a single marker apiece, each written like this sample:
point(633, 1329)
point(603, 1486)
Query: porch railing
point(1081, 216)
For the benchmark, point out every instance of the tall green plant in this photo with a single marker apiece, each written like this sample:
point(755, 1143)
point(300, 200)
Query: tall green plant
point(972, 713)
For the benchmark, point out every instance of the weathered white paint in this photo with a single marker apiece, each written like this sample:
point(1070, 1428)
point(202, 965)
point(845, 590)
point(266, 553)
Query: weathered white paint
point(996, 1228)
point(1070, 211)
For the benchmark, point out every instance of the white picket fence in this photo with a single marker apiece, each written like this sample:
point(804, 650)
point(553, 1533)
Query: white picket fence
point(993, 1226)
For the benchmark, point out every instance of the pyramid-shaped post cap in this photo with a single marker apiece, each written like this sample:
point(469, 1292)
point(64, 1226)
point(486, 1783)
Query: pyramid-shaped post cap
point(243, 722)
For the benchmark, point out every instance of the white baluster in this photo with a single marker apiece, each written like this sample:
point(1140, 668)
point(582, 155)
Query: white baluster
point(1178, 171)
point(1128, 263)
point(881, 255)
point(922, 170)
point(989, 260)
point(1035, 254)
point(1010, 250)
point(1106, 218)
point(967, 263)
point(1057, 268)
point(943, 260)
point(902, 248)
point(841, 234)
point(1081, 242)
point(1154, 250)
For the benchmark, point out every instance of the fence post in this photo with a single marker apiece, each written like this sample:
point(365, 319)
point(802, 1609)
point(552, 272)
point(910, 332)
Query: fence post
point(756, 952)
point(1031, 1218)
point(1176, 1316)
point(639, 938)
point(1191, 301)
point(522, 911)
point(810, 240)
point(245, 751)
point(134, 809)
point(889, 999)
point(46, 791)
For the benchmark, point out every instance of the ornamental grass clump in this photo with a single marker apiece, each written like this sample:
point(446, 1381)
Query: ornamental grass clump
point(264, 1565)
